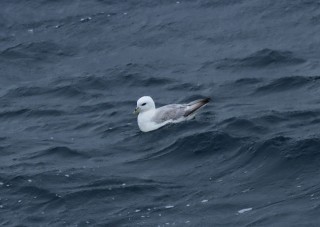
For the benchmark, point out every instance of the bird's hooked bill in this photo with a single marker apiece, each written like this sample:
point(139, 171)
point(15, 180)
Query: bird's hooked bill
point(136, 110)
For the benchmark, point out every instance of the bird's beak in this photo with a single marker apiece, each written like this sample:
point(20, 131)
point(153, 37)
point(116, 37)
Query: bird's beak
point(136, 110)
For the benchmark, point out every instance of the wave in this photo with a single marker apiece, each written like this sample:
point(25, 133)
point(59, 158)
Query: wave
point(30, 113)
point(287, 83)
point(304, 149)
point(194, 147)
point(59, 152)
point(114, 80)
point(261, 58)
point(217, 3)
point(65, 91)
point(286, 150)
point(39, 51)
point(242, 126)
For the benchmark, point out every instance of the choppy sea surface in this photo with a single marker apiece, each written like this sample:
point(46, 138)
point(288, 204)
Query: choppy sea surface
point(70, 149)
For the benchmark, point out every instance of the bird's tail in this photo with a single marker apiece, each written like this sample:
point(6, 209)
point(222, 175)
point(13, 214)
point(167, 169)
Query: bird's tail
point(195, 105)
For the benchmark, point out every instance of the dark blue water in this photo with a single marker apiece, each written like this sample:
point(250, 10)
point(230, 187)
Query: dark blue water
point(72, 154)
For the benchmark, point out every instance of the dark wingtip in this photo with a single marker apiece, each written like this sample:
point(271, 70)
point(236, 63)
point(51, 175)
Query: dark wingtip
point(206, 100)
point(198, 105)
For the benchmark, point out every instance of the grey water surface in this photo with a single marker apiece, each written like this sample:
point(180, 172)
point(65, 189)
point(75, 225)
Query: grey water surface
point(70, 149)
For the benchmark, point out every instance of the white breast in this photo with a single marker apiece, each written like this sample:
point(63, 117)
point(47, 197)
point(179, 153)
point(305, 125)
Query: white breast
point(145, 122)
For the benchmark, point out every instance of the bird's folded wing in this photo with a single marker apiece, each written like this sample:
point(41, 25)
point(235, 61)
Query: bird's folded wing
point(170, 112)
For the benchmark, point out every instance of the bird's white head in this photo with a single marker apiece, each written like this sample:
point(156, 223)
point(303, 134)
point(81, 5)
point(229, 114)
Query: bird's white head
point(145, 103)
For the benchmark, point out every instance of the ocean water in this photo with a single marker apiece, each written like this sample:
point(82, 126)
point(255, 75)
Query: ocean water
point(71, 151)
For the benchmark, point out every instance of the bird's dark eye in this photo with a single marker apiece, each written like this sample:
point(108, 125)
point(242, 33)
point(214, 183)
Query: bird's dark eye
point(143, 104)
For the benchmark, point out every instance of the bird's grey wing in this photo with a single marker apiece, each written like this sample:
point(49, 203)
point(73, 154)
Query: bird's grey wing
point(169, 112)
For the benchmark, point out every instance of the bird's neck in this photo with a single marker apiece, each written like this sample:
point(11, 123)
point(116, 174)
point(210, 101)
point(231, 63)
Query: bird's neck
point(147, 112)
